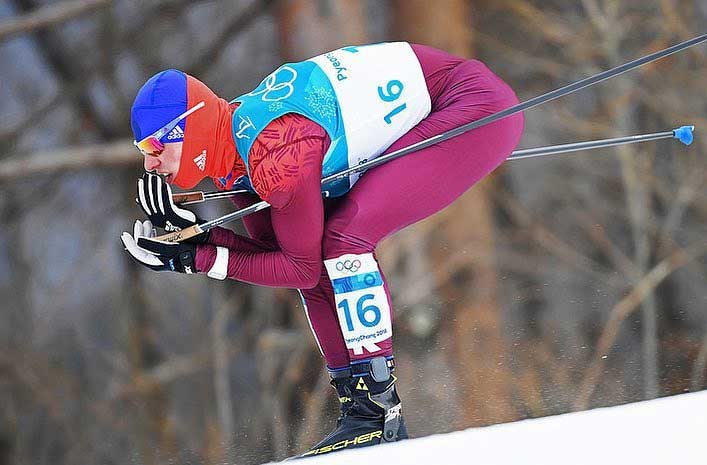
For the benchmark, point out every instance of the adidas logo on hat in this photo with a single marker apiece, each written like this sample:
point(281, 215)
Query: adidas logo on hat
point(201, 161)
point(175, 133)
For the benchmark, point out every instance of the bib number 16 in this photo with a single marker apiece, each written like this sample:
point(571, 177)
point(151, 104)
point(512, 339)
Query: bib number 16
point(367, 315)
point(391, 93)
point(362, 305)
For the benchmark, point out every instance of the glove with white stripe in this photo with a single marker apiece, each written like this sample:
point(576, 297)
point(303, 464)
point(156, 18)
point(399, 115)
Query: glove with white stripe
point(154, 196)
point(158, 255)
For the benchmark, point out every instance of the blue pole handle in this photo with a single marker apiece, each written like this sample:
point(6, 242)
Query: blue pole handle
point(684, 134)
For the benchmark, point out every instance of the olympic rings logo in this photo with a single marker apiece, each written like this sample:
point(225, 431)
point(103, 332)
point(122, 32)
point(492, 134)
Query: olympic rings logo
point(274, 90)
point(349, 265)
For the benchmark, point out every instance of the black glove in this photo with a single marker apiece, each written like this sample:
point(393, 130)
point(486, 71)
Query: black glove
point(159, 255)
point(155, 198)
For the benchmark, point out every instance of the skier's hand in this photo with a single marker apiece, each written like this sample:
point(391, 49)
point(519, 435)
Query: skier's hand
point(155, 198)
point(158, 255)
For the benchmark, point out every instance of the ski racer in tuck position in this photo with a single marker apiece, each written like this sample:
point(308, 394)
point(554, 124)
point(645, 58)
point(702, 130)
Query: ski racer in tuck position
point(305, 121)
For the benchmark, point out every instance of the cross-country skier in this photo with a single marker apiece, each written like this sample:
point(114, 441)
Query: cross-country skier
point(304, 121)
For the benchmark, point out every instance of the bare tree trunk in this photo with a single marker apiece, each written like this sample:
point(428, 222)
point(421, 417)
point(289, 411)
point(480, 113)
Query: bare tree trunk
point(605, 17)
point(309, 27)
point(698, 369)
point(475, 326)
point(221, 373)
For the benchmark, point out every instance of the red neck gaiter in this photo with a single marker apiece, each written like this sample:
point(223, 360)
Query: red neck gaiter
point(208, 149)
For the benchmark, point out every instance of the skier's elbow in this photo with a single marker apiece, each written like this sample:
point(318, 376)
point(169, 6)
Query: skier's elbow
point(310, 276)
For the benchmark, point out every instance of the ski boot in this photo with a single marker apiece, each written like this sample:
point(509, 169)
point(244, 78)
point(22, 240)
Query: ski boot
point(370, 408)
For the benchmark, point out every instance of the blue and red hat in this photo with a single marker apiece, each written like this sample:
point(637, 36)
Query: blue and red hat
point(161, 99)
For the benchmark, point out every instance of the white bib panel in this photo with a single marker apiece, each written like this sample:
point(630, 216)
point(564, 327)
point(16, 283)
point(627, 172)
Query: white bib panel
point(381, 92)
point(361, 301)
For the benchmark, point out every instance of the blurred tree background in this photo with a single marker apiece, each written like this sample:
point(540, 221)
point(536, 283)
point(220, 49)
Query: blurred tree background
point(555, 285)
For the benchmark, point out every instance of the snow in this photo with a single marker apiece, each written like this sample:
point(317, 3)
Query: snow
point(664, 431)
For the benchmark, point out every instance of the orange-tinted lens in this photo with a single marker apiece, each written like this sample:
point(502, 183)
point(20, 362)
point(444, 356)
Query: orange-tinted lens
point(150, 145)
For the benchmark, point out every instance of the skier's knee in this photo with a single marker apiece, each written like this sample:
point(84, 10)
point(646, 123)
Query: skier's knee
point(338, 241)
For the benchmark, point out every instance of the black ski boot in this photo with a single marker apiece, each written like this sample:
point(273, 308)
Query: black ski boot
point(370, 408)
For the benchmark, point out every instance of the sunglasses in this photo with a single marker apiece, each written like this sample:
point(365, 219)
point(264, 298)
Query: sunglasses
point(151, 145)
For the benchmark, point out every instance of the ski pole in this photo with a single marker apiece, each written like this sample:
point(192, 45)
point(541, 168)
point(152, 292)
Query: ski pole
point(539, 100)
point(192, 231)
point(683, 134)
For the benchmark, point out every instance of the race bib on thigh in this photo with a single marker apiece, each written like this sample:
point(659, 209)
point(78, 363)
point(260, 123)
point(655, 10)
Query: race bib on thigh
point(361, 302)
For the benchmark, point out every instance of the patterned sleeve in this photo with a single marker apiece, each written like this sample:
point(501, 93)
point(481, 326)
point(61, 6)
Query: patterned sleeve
point(277, 156)
point(286, 171)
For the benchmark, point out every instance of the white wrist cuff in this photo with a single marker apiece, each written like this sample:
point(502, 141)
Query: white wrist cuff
point(220, 268)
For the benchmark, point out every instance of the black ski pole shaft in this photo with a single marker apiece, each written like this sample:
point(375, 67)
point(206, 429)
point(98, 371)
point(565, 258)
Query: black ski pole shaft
point(544, 98)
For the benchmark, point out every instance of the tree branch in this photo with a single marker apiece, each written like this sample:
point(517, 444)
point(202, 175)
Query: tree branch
point(626, 307)
point(116, 153)
point(49, 15)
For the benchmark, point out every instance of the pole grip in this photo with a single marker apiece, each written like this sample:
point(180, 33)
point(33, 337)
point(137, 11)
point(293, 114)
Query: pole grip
point(188, 197)
point(179, 236)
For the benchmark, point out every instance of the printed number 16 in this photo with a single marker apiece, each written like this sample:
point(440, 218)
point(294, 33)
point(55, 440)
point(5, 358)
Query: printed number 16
point(392, 92)
point(361, 312)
